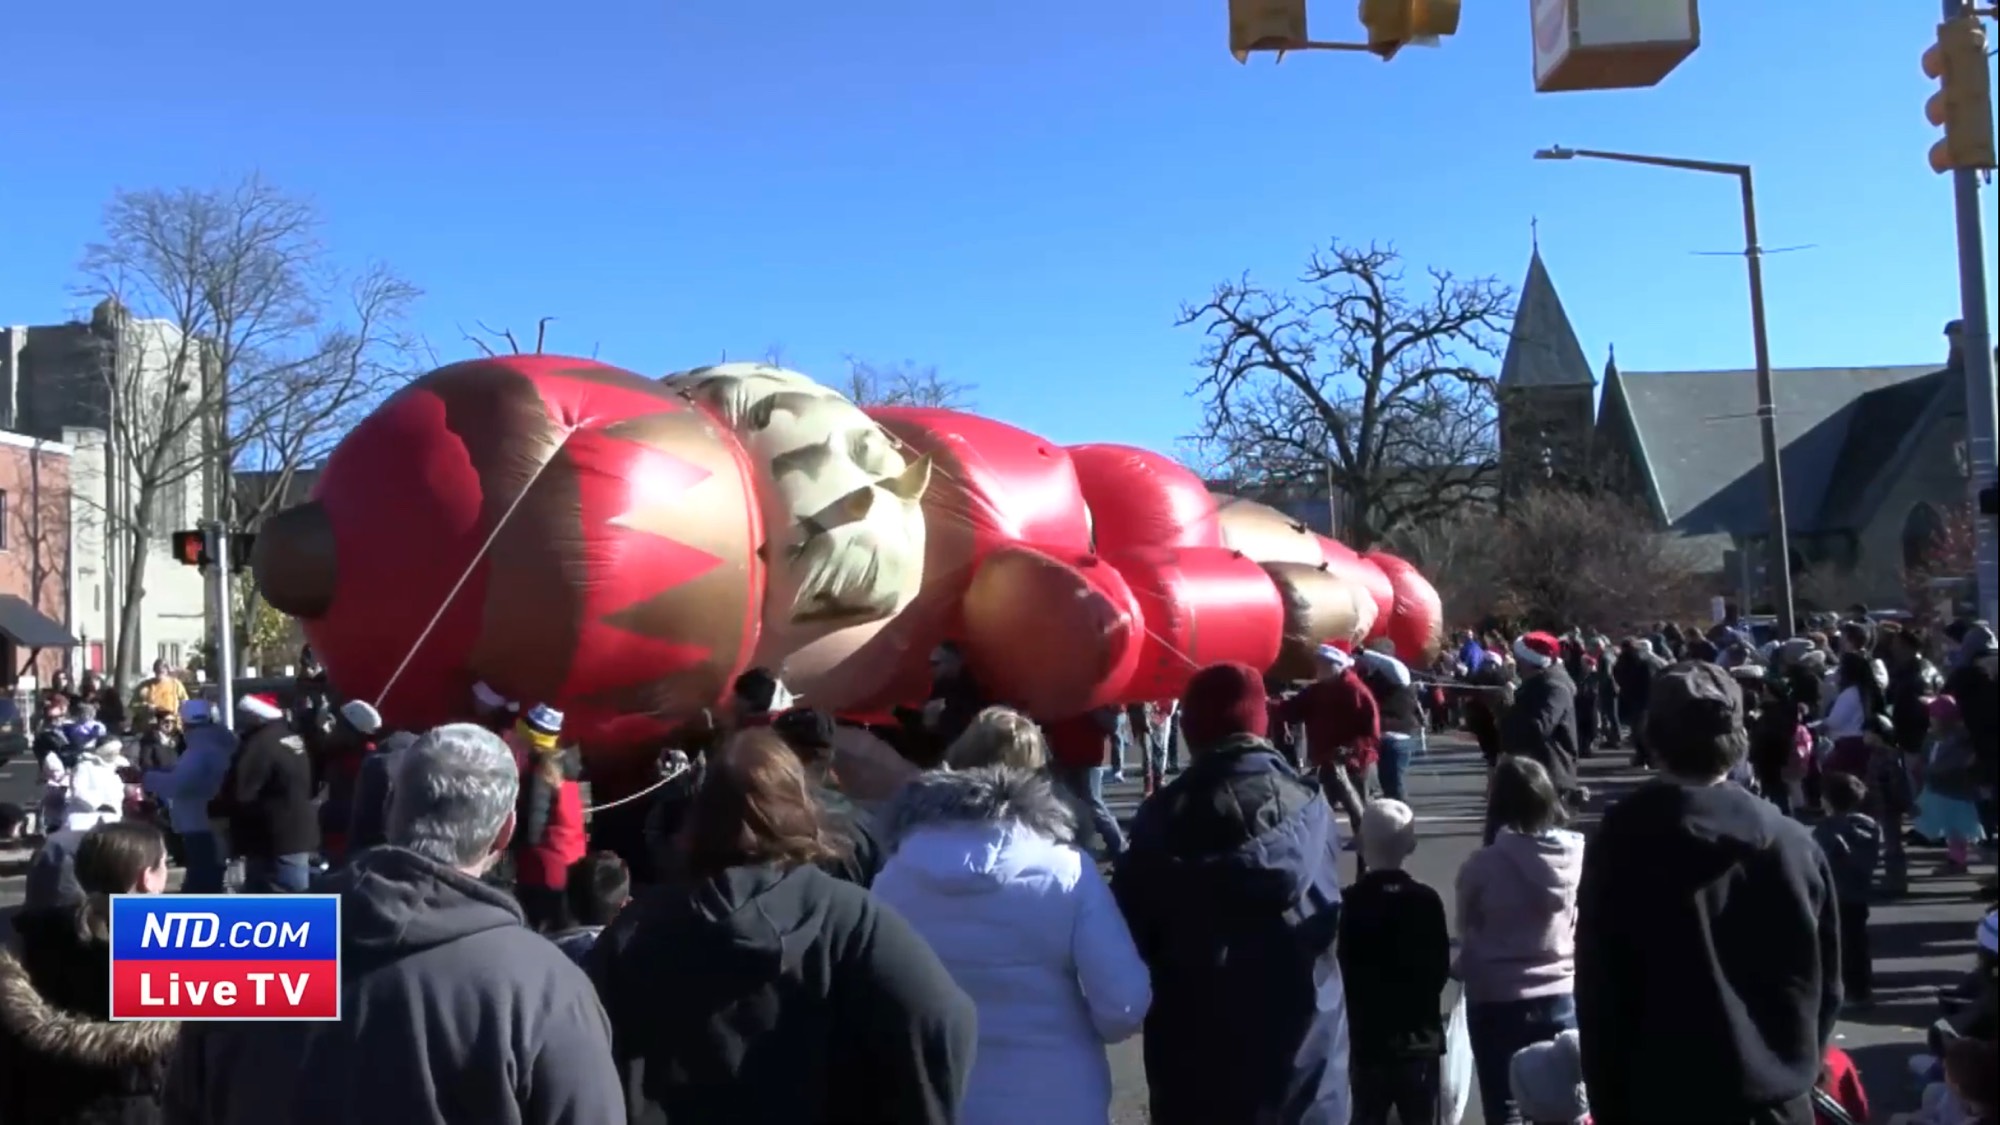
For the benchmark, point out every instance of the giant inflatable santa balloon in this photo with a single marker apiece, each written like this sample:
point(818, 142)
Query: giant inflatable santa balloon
point(623, 548)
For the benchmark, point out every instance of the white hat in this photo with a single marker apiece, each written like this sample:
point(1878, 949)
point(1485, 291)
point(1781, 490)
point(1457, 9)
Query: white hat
point(1547, 1080)
point(486, 697)
point(361, 716)
point(196, 712)
point(258, 707)
point(1335, 656)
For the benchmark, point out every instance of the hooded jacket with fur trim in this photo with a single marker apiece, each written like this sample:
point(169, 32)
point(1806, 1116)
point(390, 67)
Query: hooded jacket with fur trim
point(986, 869)
point(61, 1061)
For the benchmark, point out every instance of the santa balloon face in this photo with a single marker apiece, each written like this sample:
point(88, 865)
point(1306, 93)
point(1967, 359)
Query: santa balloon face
point(566, 532)
point(840, 505)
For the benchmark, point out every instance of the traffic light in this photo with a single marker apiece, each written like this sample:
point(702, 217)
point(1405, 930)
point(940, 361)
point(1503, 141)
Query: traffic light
point(241, 543)
point(1265, 25)
point(1963, 105)
point(1392, 24)
point(191, 548)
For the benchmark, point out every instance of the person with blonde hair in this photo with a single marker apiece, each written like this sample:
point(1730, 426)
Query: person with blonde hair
point(999, 736)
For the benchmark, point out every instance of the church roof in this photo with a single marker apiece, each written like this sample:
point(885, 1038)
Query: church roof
point(1542, 349)
point(1698, 440)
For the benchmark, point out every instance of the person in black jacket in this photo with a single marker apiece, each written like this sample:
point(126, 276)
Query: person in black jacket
point(1395, 953)
point(268, 798)
point(1708, 934)
point(955, 699)
point(1402, 716)
point(1231, 887)
point(1634, 670)
point(810, 735)
point(756, 987)
point(1541, 725)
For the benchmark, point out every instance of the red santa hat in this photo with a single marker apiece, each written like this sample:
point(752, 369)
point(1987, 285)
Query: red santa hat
point(263, 708)
point(1536, 650)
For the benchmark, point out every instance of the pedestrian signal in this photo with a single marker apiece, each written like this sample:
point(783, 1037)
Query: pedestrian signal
point(191, 548)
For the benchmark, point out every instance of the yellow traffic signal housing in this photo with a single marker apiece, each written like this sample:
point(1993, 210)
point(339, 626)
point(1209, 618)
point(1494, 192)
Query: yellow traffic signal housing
point(1265, 25)
point(1393, 24)
point(1963, 105)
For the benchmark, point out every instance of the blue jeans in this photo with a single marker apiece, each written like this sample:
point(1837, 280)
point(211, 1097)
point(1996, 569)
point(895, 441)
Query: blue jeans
point(1398, 751)
point(1087, 786)
point(1500, 1028)
point(277, 875)
point(202, 853)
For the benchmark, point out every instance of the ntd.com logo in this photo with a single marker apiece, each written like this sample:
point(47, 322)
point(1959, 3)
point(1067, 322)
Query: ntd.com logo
point(225, 957)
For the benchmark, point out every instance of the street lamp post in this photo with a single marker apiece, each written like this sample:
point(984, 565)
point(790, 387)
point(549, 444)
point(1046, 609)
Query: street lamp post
point(1780, 539)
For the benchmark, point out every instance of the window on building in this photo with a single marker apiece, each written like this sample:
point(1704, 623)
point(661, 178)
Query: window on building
point(170, 652)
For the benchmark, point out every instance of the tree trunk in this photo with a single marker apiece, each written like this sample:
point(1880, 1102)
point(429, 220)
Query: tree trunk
point(138, 541)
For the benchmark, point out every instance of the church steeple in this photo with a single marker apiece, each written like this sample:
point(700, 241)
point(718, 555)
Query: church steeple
point(1542, 349)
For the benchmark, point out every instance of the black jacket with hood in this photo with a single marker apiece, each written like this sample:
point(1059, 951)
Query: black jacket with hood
point(62, 1062)
point(269, 795)
point(1542, 724)
point(1231, 886)
point(451, 1011)
point(776, 995)
point(1707, 958)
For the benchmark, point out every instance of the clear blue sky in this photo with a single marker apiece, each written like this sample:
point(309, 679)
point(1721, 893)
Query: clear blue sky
point(1020, 193)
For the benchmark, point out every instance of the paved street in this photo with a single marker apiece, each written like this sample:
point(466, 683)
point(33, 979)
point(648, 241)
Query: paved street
point(1922, 941)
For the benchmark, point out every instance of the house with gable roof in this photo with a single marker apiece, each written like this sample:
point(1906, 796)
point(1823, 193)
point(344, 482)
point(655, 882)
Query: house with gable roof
point(1873, 457)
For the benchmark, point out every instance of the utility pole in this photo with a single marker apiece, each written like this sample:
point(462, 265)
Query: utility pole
point(1778, 539)
point(217, 535)
point(1976, 353)
point(1767, 421)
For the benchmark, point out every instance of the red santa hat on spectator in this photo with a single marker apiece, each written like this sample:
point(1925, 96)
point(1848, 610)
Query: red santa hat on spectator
point(262, 708)
point(1536, 650)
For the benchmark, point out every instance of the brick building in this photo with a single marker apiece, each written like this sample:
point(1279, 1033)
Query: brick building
point(35, 638)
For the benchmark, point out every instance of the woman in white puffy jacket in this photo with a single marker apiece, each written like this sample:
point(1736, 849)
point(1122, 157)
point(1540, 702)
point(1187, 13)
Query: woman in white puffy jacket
point(984, 867)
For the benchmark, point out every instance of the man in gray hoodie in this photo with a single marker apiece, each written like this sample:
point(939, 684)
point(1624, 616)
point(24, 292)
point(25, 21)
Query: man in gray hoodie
point(450, 1008)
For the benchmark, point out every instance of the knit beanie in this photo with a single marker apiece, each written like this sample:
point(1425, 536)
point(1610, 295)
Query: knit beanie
point(1536, 650)
point(1221, 702)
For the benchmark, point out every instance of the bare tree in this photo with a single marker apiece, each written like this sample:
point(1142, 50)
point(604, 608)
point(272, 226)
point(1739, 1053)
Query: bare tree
point(487, 337)
point(903, 384)
point(1560, 559)
point(1358, 382)
point(219, 339)
point(1938, 573)
point(1455, 552)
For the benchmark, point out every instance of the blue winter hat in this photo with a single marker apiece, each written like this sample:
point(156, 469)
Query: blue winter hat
point(544, 719)
point(197, 712)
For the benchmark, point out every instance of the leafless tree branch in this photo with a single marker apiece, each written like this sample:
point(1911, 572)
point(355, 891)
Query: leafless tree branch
point(1359, 380)
point(903, 384)
point(226, 341)
point(1560, 559)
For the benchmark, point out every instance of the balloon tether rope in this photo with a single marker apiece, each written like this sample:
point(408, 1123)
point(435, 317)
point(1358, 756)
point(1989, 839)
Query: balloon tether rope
point(466, 575)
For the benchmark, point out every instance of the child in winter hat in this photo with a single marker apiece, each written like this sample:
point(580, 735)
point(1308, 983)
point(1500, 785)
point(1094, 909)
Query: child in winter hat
point(540, 727)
